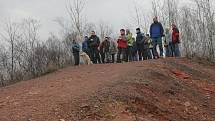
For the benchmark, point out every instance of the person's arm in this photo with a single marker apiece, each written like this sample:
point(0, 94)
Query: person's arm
point(151, 30)
point(98, 41)
point(162, 30)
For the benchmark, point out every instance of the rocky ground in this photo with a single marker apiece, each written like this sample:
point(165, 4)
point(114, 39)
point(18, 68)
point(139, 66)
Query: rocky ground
point(156, 90)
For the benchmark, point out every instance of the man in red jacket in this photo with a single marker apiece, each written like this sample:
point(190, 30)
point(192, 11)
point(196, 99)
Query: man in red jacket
point(175, 41)
point(122, 47)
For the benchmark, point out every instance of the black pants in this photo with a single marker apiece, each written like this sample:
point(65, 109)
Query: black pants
point(95, 56)
point(140, 52)
point(146, 54)
point(76, 58)
point(102, 57)
point(112, 58)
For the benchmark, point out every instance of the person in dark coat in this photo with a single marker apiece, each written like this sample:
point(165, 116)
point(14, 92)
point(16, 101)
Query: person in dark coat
point(140, 43)
point(105, 50)
point(76, 52)
point(85, 47)
point(134, 51)
point(156, 33)
point(93, 44)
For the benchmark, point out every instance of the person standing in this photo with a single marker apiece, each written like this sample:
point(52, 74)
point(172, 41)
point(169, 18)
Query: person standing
point(134, 51)
point(85, 47)
point(105, 50)
point(175, 40)
point(113, 50)
point(130, 44)
point(140, 43)
point(150, 44)
point(146, 51)
point(168, 43)
point(122, 46)
point(76, 52)
point(156, 33)
point(94, 43)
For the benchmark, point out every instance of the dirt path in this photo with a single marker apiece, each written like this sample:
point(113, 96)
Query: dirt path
point(158, 90)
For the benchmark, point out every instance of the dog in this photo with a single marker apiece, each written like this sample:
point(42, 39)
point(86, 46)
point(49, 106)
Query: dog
point(86, 58)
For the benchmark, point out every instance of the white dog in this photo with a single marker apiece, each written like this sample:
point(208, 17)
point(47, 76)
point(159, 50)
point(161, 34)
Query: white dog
point(86, 58)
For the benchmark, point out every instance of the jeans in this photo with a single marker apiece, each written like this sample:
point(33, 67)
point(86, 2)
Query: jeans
point(174, 50)
point(140, 50)
point(177, 50)
point(157, 41)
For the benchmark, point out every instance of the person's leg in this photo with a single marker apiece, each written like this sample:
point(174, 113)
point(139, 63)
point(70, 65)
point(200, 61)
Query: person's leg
point(119, 55)
point(103, 57)
point(155, 53)
point(107, 54)
point(76, 58)
point(140, 53)
point(113, 58)
point(144, 54)
point(171, 50)
point(151, 53)
point(148, 56)
point(159, 40)
point(93, 56)
point(98, 59)
point(124, 56)
point(130, 54)
point(167, 51)
point(177, 51)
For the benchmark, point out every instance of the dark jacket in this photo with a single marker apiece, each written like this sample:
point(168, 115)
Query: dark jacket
point(105, 46)
point(134, 48)
point(75, 47)
point(93, 42)
point(85, 47)
point(156, 30)
point(140, 38)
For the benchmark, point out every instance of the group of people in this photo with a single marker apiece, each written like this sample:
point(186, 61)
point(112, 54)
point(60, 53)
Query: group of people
point(127, 48)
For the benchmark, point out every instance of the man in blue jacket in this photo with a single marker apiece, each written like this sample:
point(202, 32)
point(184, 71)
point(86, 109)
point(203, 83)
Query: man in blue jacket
point(156, 33)
point(85, 47)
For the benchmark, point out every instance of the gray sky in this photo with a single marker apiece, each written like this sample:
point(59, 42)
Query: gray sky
point(117, 13)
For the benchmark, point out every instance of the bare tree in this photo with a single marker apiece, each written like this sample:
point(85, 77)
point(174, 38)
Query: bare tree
point(75, 10)
point(104, 29)
point(11, 35)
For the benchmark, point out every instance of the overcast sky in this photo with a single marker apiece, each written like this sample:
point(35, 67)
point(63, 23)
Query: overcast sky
point(115, 12)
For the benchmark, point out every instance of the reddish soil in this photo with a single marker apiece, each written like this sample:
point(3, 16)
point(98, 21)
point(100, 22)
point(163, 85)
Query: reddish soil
point(156, 90)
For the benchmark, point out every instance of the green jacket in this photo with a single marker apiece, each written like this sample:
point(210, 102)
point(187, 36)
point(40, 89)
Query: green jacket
point(130, 39)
